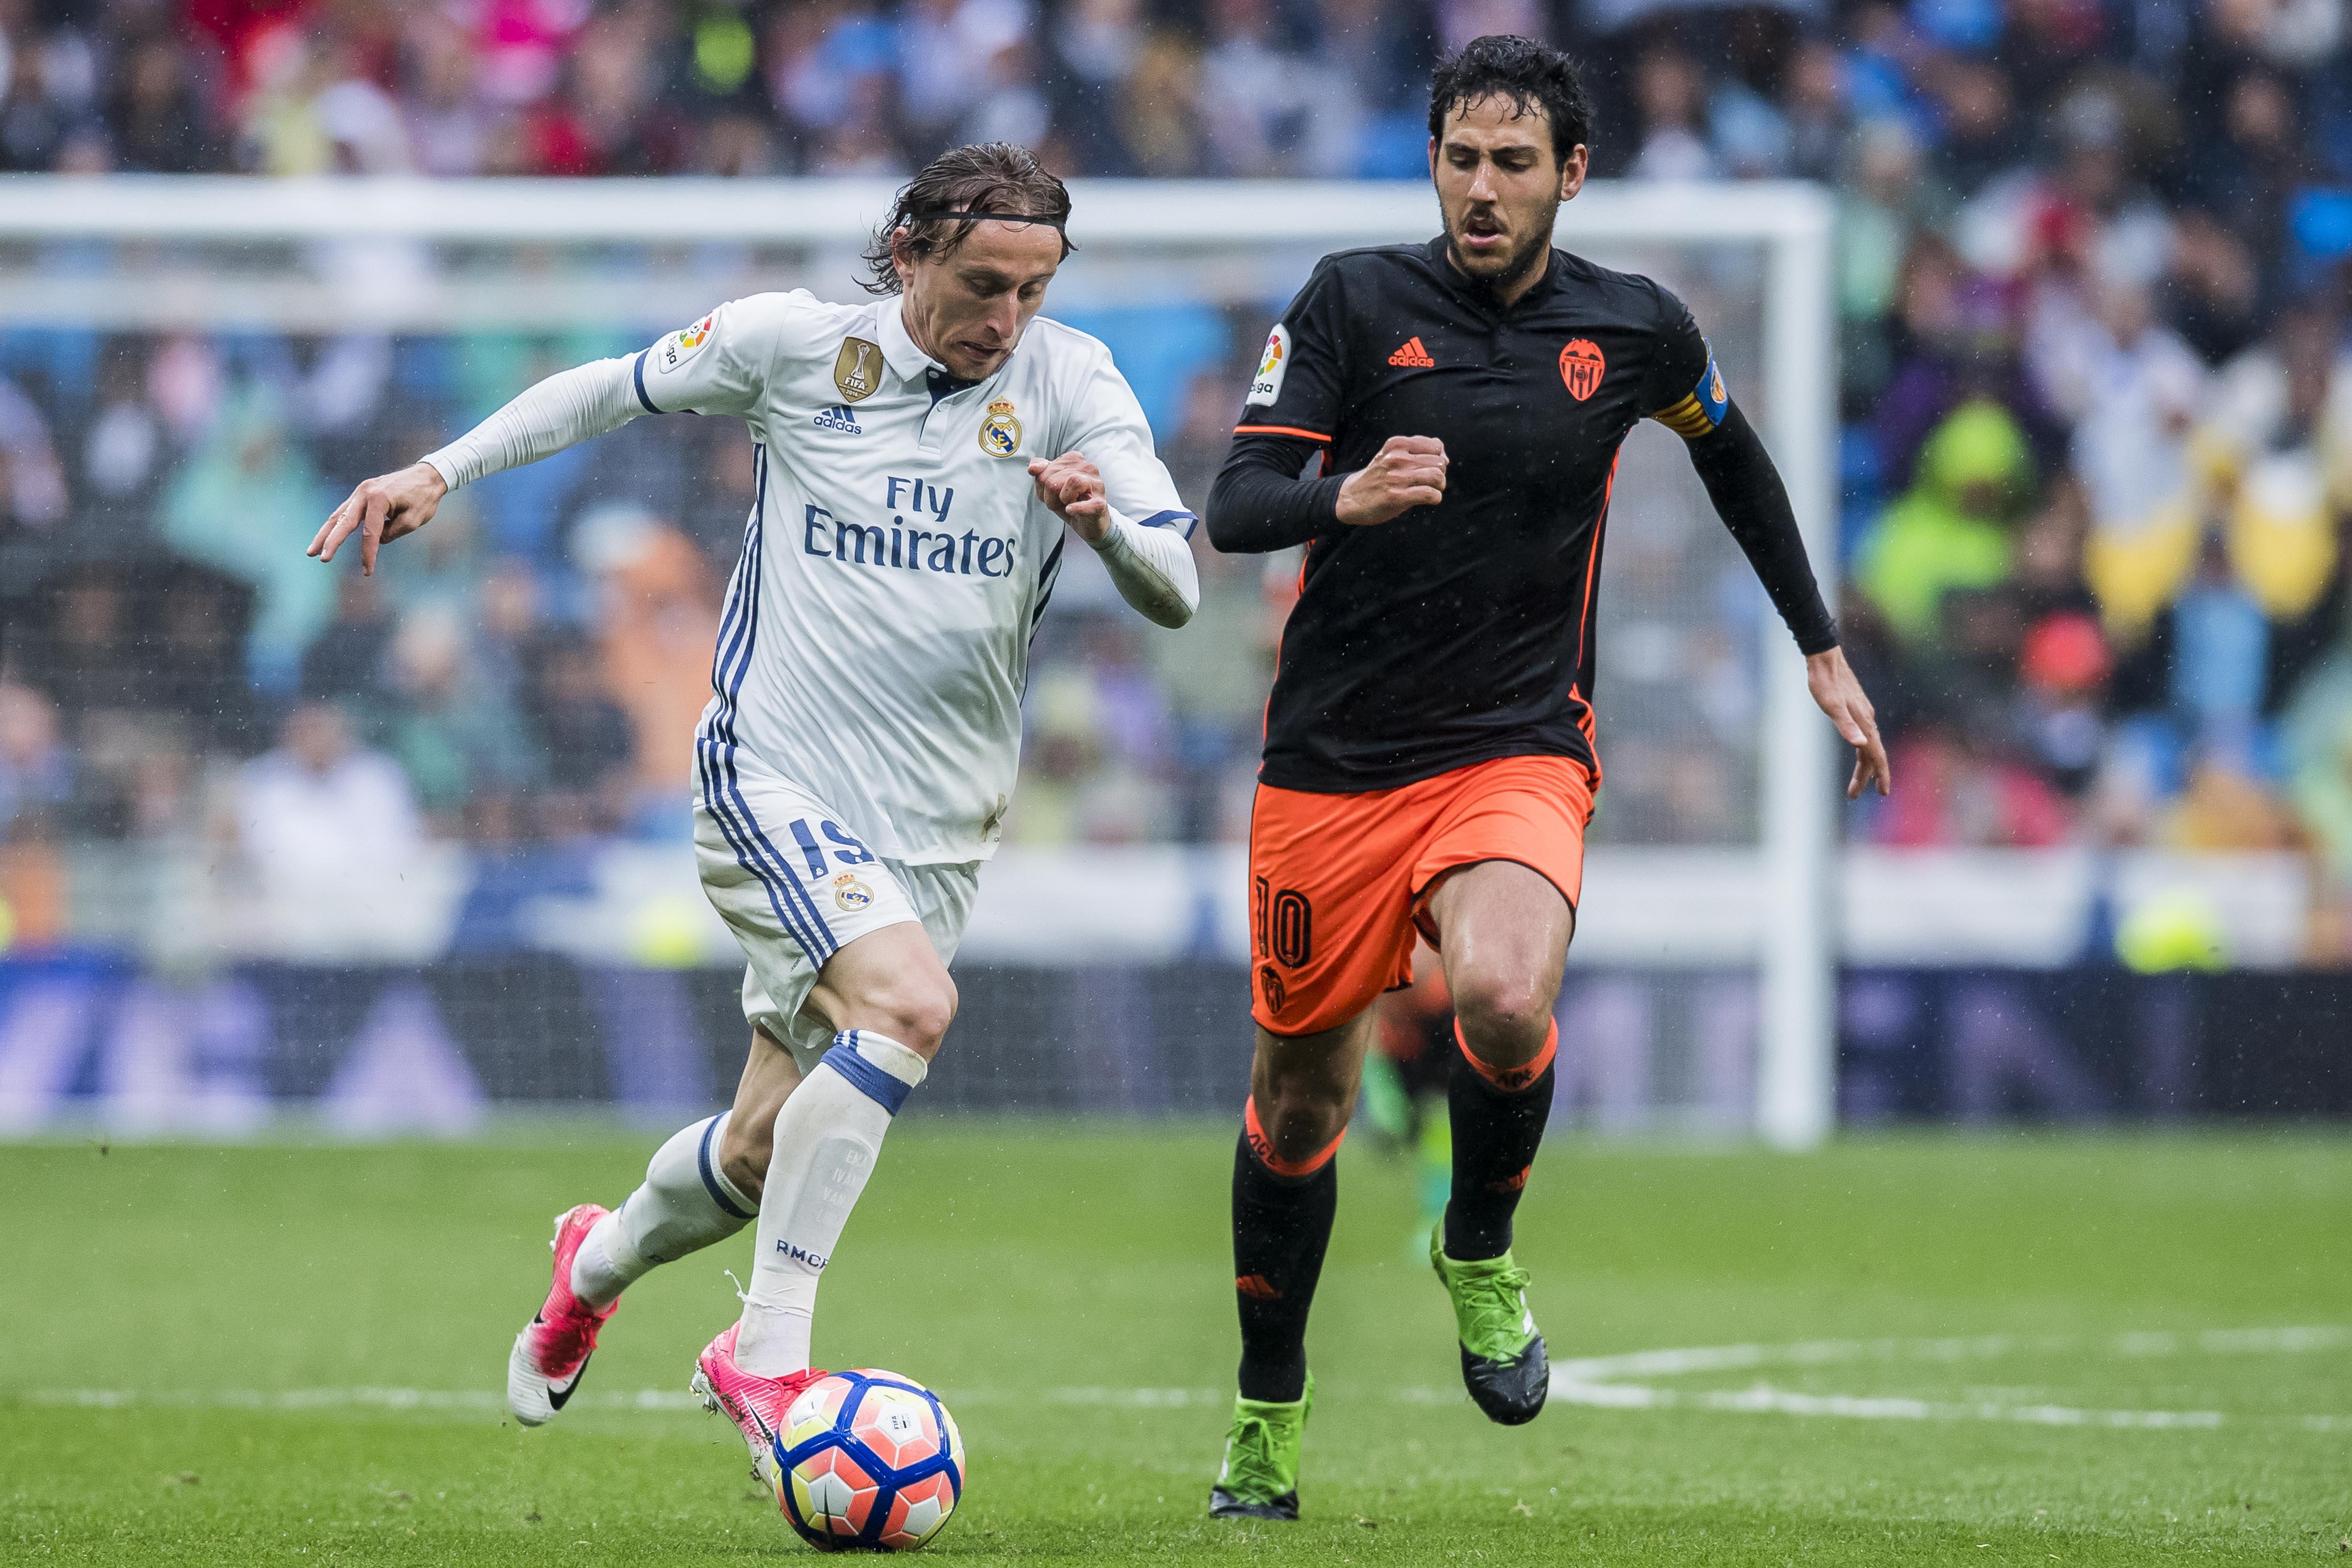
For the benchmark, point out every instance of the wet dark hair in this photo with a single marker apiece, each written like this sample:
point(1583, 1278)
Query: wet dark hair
point(988, 177)
point(1501, 65)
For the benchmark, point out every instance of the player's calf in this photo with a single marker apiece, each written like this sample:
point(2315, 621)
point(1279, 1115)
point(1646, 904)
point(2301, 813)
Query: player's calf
point(1498, 1115)
point(1283, 1206)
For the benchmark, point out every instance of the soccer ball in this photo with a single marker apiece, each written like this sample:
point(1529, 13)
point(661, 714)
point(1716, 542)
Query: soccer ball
point(870, 1458)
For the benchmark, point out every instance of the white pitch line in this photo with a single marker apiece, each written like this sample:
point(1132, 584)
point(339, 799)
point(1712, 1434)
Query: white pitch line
point(1765, 1398)
point(1595, 1381)
point(297, 1399)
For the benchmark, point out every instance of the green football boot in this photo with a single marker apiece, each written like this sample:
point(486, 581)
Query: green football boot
point(1503, 1364)
point(1259, 1478)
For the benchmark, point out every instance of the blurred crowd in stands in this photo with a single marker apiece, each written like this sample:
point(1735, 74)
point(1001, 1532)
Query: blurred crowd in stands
point(2090, 283)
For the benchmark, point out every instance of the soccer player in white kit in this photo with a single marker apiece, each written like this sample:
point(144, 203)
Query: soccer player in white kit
point(918, 457)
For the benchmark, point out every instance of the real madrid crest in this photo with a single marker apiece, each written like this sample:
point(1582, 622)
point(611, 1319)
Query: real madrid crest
point(850, 894)
point(1000, 433)
point(857, 369)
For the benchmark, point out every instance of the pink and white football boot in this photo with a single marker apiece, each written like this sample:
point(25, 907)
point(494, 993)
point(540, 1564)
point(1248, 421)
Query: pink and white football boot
point(554, 1348)
point(756, 1405)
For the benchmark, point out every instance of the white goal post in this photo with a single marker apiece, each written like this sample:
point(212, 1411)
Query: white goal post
point(364, 222)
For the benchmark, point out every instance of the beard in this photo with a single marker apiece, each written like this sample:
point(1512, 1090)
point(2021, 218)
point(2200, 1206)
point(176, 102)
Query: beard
point(1524, 258)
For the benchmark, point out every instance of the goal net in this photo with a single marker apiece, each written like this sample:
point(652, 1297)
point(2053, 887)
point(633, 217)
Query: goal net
point(210, 363)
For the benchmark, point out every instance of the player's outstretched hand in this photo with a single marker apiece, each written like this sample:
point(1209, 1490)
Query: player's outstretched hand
point(1841, 697)
point(1406, 472)
point(1073, 488)
point(381, 510)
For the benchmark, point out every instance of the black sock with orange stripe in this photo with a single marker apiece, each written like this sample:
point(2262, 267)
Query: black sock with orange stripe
point(1499, 1116)
point(1282, 1222)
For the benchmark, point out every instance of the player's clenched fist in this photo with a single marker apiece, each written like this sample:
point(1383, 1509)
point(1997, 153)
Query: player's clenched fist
point(381, 510)
point(1073, 488)
point(1406, 472)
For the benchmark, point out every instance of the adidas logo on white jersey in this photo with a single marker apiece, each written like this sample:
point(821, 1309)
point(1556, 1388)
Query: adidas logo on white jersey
point(839, 417)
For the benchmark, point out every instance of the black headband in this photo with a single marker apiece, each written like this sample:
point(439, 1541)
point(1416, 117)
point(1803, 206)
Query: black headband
point(984, 217)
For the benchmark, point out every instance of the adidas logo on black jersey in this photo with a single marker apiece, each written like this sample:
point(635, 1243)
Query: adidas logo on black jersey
point(1412, 356)
point(839, 417)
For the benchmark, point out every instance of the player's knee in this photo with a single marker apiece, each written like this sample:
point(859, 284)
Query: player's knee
point(1505, 1013)
point(1302, 1118)
point(914, 1012)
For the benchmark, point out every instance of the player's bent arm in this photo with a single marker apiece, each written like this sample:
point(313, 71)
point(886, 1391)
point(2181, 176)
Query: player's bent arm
point(1259, 503)
point(1746, 488)
point(1152, 568)
point(562, 410)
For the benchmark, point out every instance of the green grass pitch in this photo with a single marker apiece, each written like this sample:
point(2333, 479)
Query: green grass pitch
point(1996, 1349)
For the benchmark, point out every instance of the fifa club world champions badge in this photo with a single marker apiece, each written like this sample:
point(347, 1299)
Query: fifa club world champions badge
point(857, 369)
point(1000, 433)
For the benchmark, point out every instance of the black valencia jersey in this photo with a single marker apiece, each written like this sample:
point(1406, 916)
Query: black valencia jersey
point(1460, 632)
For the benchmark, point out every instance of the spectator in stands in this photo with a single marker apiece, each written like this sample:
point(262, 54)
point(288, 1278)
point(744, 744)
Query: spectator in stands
point(1961, 792)
point(1671, 96)
point(449, 125)
point(51, 82)
point(157, 120)
point(247, 501)
point(32, 480)
point(1952, 341)
point(2212, 289)
point(1878, 264)
point(585, 740)
point(2317, 733)
point(1263, 105)
point(346, 662)
point(2132, 390)
point(195, 652)
point(2063, 666)
point(830, 69)
point(83, 652)
point(329, 831)
point(462, 744)
point(947, 51)
point(657, 618)
point(314, 111)
point(627, 125)
point(523, 43)
point(36, 774)
point(1983, 135)
point(1955, 528)
point(123, 452)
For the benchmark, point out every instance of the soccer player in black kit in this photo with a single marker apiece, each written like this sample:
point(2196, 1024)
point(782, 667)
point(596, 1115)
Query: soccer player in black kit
point(1429, 755)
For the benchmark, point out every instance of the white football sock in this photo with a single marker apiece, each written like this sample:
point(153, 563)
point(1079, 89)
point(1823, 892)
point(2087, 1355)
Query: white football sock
point(687, 1203)
point(827, 1138)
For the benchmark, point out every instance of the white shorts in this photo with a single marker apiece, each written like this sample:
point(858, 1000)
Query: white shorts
point(796, 887)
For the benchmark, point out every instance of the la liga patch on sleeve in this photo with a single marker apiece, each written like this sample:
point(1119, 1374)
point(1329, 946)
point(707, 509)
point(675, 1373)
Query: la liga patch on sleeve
point(680, 345)
point(1268, 386)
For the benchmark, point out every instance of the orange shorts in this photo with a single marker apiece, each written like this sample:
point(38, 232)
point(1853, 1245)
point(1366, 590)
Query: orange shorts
point(1340, 883)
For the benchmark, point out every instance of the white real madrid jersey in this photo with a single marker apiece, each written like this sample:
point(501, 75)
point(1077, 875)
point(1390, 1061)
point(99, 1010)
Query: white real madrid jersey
point(875, 638)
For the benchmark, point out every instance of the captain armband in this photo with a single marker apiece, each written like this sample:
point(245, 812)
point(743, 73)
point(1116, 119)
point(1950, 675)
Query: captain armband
point(1702, 408)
